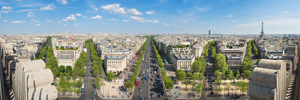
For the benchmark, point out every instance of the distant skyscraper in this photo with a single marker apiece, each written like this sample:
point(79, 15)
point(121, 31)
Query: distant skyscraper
point(208, 32)
point(262, 34)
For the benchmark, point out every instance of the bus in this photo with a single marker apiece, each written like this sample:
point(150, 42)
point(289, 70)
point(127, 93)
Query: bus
point(82, 88)
point(137, 81)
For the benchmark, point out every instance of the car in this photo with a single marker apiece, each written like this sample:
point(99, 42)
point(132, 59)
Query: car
point(94, 98)
point(143, 71)
point(94, 92)
point(144, 82)
point(147, 70)
point(150, 83)
point(142, 98)
point(151, 94)
point(140, 89)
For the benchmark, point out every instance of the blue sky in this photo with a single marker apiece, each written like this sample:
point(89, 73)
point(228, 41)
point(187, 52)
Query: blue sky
point(149, 16)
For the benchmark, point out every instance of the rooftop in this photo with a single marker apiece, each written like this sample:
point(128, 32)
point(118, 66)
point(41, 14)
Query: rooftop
point(109, 57)
point(184, 57)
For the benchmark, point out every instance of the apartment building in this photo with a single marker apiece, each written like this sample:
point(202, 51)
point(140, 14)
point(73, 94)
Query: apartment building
point(66, 53)
point(114, 64)
point(183, 62)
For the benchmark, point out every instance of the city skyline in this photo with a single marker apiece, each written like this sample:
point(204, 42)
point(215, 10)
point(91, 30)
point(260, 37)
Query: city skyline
point(158, 16)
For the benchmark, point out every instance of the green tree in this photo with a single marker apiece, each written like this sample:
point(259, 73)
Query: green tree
point(97, 82)
point(247, 74)
point(229, 74)
point(78, 90)
point(213, 51)
point(96, 72)
point(62, 68)
point(217, 73)
point(247, 64)
point(218, 81)
point(68, 76)
point(79, 83)
point(180, 75)
point(237, 74)
point(196, 66)
point(74, 75)
point(199, 88)
point(220, 63)
point(110, 76)
point(203, 65)
point(195, 76)
point(201, 76)
point(128, 84)
point(82, 72)
point(68, 69)
point(189, 74)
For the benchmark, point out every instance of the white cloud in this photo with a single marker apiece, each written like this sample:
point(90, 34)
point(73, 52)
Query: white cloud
point(125, 20)
point(166, 24)
point(285, 12)
point(114, 8)
point(76, 24)
point(153, 21)
point(58, 21)
point(30, 14)
point(150, 12)
point(70, 18)
point(234, 21)
point(284, 22)
point(6, 9)
point(63, 2)
point(84, 16)
point(48, 21)
point(229, 16)
point(16, 22)
point(0, 14)
point(64, 24)
point(200, 9)
point(33, 20)
point(78, 14)
point(38, 24)
point(134, 12)
point(4, 20)
point(49, 7)
point(139, 19)
point(97, 17)
point(112, 19)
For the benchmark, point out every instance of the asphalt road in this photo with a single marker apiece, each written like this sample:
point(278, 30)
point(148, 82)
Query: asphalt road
point(149, 65)
point(144, 87)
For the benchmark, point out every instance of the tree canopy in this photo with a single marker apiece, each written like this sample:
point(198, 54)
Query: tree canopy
point(247, 74)
point(220, 63)
point(180, 75)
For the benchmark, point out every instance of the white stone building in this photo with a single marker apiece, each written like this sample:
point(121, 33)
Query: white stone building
point(183, 62)
point(115, 64)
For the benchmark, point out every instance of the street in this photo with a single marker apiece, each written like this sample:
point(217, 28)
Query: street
point(88, 82)
point(149, 68)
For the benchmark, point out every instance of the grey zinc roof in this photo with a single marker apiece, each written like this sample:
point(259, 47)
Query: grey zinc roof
point(184, 57)
point(109, 57)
